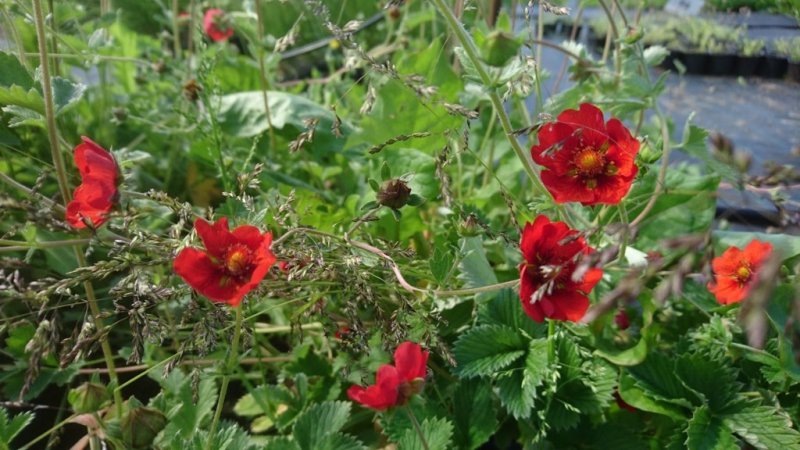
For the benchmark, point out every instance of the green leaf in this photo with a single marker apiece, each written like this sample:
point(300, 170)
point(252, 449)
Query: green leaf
point(486, 349)
point(656, 377)
point(415, 200)
point(712, 380)
point(707, 432)
point(474, 414)
point(66, 93)
point(318, 421)
point(504, 309)
point(186, 416)
point(437, 433)
point(27, 98)
point(638, 398)
point(386, 172)
point(441, 264)
point(14, 73)
point(764, 428)
point(535, 365)
point(374, 185)
point(517, 397)
point(475, 270)
point(694, 144)
point(10, 428)
point(281, 443)
point(243, 114)
point(339, 441)
point(627, 357)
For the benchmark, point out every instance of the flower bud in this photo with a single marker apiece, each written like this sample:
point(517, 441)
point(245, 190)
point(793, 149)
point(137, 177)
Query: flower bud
point(141, 425)
point(88, 397)
point(469, 227)
point(394, 194)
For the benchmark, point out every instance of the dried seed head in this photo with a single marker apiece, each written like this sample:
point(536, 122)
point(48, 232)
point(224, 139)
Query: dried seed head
point(394, 194)
point(88, 397)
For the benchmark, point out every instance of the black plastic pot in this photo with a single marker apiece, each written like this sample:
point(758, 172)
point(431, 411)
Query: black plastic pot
point(669, 61)
point(695, 63)
point(747, 66)
point(722, 64)
point(773, 67)
point(793, 71)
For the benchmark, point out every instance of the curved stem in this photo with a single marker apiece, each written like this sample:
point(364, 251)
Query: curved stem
point(58, 162)
point(237, 333)
point(417, 428)
point(472, 53)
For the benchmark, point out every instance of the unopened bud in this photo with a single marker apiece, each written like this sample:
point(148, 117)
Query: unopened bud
point(140, 427)
point(88, 397)
point(394, 194)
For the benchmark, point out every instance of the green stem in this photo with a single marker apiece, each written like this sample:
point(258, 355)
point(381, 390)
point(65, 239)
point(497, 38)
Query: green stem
point(58, 162)
point(551, 342)
point(176, 36)
point(47, 433)
point(237, 333)
point(58, 158)
point(472, 53)
point(417, 428)
point(263, 75)
point(47, 244)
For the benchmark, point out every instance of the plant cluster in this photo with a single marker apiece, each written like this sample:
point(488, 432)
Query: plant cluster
point(229, 272)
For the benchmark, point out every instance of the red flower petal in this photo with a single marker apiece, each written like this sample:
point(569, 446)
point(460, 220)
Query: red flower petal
point(757, 252)
point(411, 361)
point(216, 237)
point(589, 119)
point(382, 394)
point(199, 272)
point(94, 161)
point(211, 27)
point(735, 271)
point(91, 201)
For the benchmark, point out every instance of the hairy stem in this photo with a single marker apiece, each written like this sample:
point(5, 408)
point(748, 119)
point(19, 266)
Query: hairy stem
point(417, 428)
point(58, 162)
point(226, 377)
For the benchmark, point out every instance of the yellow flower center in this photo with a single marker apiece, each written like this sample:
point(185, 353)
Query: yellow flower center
point(236, 261)
point(743, 273)
point(590, 162)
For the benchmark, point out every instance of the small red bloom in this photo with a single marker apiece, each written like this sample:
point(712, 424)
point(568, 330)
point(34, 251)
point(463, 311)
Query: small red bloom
point(622, 403)
point(341, 332)
point(585, 159)
point(552, 252)
point(736, 271)
point(394, 385)
point(622, 320)
point(94, 198)
point(233, 264)
point(216, 24)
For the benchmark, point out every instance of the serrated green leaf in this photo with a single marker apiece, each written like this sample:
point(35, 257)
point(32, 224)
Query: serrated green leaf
point(638, 398)
point(694, 144)
point(516, 398)
point(656, 377)
point(26, 98)
point(504, 309)
point(281, 443)
point(764, 428)
point(535, 364)
point(187, 416)
point(474, 414)
point(10, 428)
point(437, 433)
point(710, 379)
point(318, 421)
point(475, 270)
point(66, 93)
point(487, 349)
point(340, 441)
point(14, 73)
point(707, 432)
point(441, 264)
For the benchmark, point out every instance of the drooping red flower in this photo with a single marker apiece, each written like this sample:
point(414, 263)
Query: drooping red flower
point(233, 263)
point(736, 271)
point(394, 385)
point(94, 198)
point(548, 287)
point(216, 24)
point(586, 160)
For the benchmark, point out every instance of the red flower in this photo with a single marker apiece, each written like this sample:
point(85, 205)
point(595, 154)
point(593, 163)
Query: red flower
point(548, 287)
point(97, 193)
point(216, 24)
point(394, 385)
point(622, 403)
point(233, 264)
point(736, 271)
point(622, 320)
point(586, 160)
